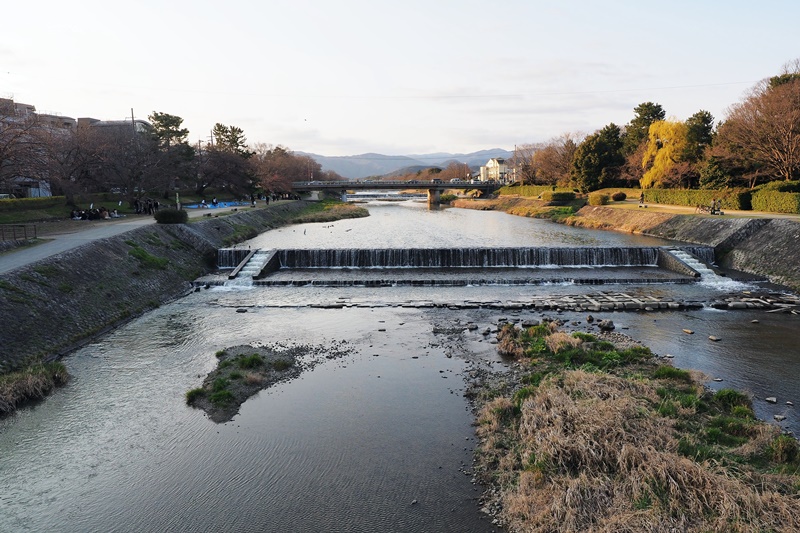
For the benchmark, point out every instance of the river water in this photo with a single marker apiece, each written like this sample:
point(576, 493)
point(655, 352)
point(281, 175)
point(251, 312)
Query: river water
point(377, 439)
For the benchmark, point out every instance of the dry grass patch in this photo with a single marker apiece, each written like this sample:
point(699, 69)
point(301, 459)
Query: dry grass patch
point(587, 450)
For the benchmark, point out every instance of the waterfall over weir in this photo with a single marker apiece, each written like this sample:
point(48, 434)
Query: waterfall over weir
point(468, 257)
point(457, 266)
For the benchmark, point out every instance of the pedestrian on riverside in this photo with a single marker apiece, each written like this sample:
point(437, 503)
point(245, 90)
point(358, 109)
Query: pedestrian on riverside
point(641, 198)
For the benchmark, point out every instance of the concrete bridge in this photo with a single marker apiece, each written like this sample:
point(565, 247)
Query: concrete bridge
point(434, 188)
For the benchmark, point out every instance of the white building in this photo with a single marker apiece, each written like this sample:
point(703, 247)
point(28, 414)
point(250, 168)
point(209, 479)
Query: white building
point(495, 170)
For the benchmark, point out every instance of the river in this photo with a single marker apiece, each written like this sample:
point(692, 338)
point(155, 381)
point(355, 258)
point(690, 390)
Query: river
point(378, 438)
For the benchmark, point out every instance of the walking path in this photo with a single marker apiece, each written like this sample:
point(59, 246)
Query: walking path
point(70, 234)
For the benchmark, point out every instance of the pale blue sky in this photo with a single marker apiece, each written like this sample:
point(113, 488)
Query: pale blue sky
point(346, 77)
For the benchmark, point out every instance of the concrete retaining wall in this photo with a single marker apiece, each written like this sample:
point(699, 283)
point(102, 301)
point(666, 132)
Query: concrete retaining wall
point(53, 306)
point(765, 247)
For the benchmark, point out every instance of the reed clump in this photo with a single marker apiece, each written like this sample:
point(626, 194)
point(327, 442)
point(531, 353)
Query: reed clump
point(607, 440)
point(31, 383)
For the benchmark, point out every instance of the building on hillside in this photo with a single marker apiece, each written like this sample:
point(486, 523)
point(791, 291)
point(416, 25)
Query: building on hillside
point(495, 170)
point(137, 125)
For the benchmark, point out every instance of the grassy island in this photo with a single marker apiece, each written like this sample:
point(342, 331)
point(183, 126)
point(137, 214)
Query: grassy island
point(30, 383)
point(330, 211)
point(244, 370)
point(598, 434)
point(241, 372)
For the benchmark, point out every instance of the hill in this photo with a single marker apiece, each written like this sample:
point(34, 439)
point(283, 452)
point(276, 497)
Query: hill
point(371, 164)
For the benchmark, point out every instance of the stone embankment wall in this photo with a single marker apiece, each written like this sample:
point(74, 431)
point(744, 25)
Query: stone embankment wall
point(765, 247)
point(53, 306)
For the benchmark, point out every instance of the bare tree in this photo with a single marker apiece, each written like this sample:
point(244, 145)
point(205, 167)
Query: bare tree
point(765, 128)
point(21, 149)
point(554, 158)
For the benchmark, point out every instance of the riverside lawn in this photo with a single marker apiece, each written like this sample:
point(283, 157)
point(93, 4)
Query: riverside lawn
point(597, 434)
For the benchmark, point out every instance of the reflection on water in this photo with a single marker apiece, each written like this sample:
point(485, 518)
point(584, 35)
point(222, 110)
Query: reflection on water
point(413, 225)
point(348, 446)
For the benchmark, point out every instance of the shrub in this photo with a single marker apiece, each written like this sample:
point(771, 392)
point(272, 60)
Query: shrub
point(558, 196)
point(194, 394)
point(171, 216)
point(670, 372)
point(619, 196)
point(784, 449)
point(597, 198)
point(221, 397)
point(251, 361)
point(729, 398)
point(219, 384)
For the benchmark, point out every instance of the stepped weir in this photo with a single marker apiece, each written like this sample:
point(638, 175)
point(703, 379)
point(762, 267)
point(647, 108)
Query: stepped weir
point(463, 266)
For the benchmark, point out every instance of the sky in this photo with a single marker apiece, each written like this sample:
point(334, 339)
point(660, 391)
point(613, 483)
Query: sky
point(346, 77)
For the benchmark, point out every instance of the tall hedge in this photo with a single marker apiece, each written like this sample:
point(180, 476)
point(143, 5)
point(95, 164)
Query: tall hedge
point(42, 202)
point(524, 190)
point(738, 199)
point(557, 196)
point(776, 202)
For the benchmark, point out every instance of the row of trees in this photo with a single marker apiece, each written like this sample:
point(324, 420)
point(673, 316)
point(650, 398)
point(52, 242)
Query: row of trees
point(759, 141)
point(142, 160)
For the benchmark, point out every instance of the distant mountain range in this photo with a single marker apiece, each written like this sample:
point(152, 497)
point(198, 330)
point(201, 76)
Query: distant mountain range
point(366, 165)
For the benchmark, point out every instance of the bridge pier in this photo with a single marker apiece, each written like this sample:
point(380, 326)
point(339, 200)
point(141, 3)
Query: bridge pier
point(434, 196)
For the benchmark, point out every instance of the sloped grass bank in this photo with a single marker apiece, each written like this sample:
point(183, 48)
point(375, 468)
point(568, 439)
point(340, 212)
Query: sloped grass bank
point(597, 436)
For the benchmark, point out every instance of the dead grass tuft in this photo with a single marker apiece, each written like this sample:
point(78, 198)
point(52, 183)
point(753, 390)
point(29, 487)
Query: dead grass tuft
point(559, 341)
point(602, 465)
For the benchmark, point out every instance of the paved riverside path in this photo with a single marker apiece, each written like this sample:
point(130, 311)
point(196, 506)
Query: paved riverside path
point(62, 242)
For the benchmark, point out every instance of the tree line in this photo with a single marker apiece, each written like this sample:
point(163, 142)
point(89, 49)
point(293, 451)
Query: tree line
point(143, 161)
point(757, 142)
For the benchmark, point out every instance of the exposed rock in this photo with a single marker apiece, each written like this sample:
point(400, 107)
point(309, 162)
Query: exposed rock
point(771, 399)
point(688, 331)
point(606, 325)
point(713, 338)
point(779, 418)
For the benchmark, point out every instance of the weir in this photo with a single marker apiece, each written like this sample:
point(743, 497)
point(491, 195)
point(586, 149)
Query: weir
point(464, 266)
point(468, 257)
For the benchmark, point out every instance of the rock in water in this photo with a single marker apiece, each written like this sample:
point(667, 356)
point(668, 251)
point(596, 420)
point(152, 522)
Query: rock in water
point(606, 325)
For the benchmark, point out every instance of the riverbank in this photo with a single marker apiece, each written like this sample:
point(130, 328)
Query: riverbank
point(56, 305)
point(766, 247)
point(592, 431)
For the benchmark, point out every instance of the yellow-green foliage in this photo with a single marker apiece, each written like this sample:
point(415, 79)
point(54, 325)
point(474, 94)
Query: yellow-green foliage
point(598, 199)
point(665, 144)
point(31, 203)
point(524, 190)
